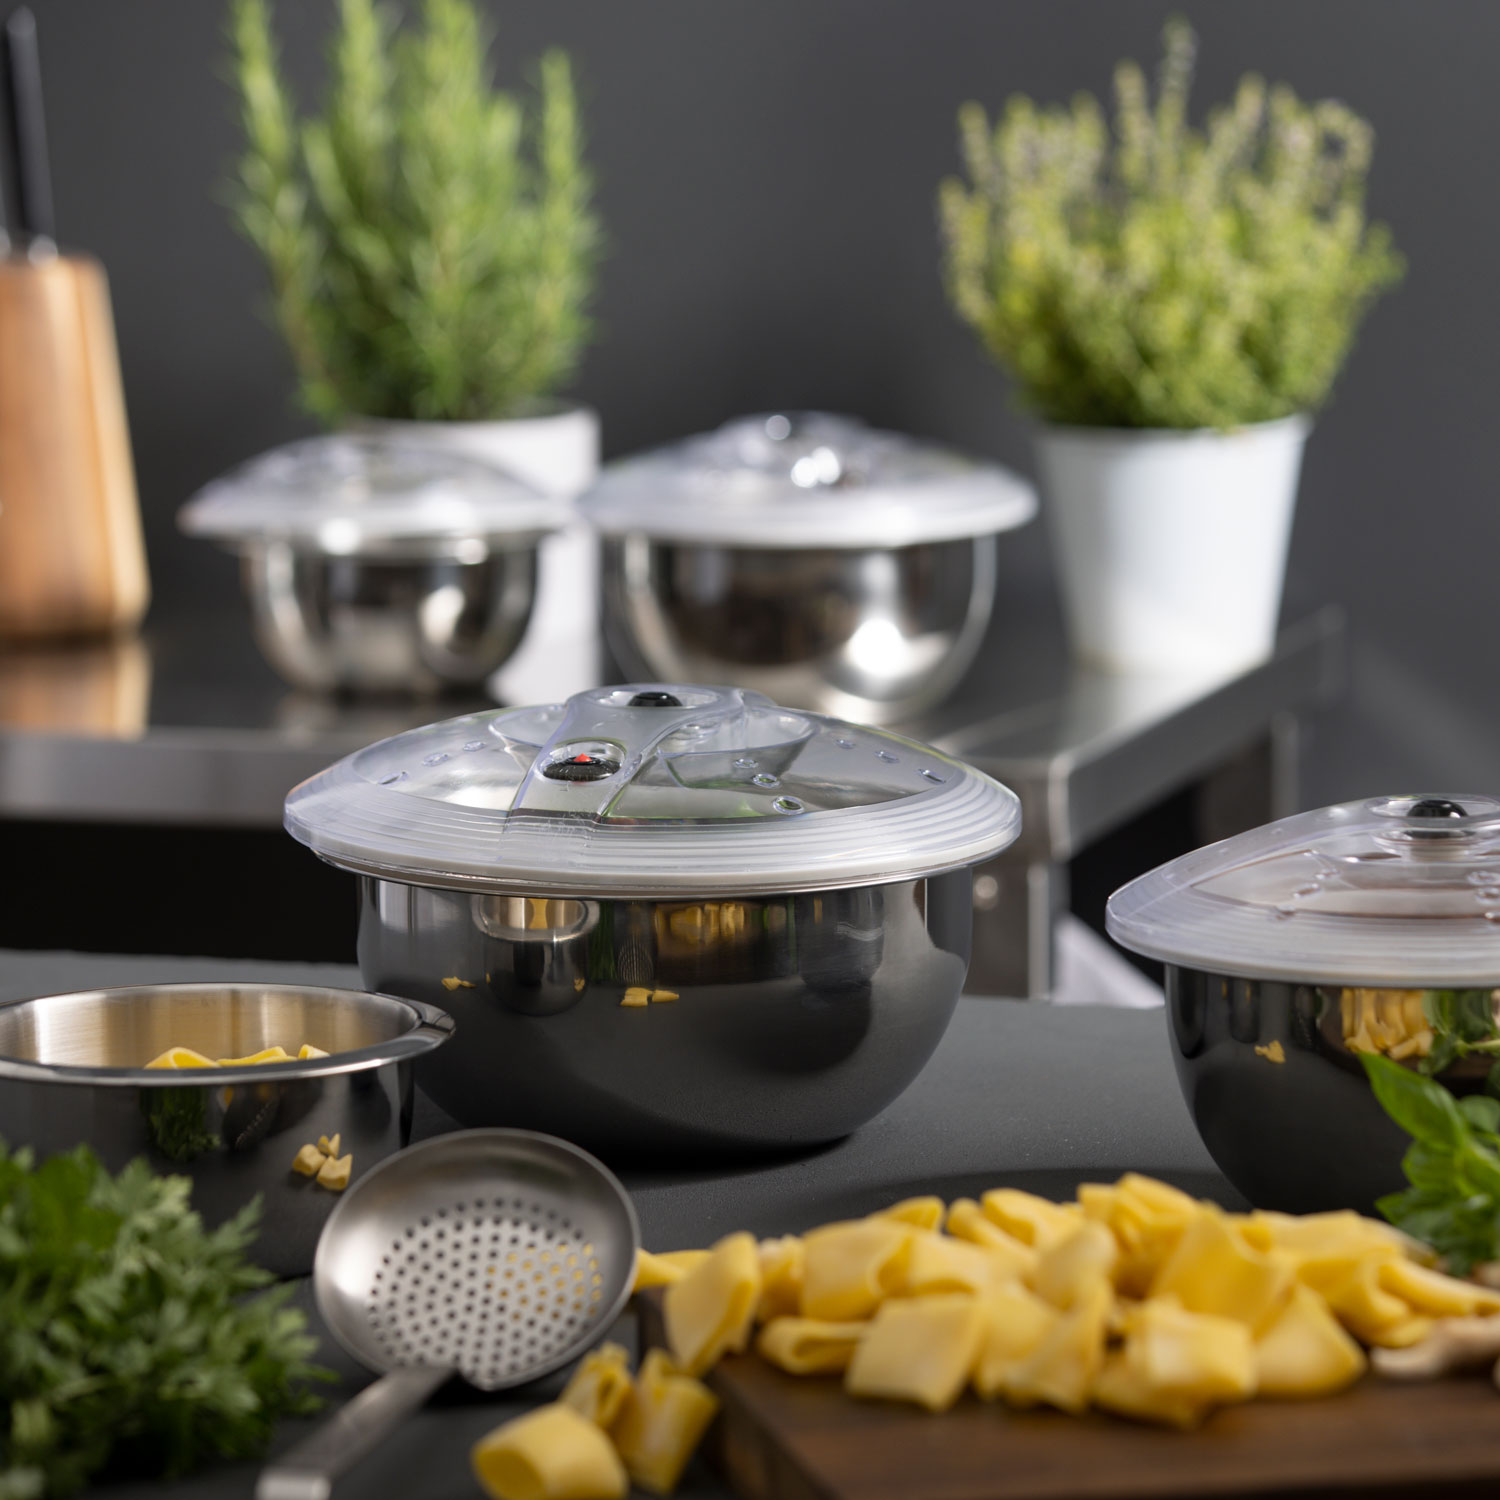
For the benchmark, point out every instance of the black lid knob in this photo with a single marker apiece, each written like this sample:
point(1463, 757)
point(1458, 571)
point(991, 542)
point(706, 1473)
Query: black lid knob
point(581, 768)
point(654, 698)
point(1436, 807)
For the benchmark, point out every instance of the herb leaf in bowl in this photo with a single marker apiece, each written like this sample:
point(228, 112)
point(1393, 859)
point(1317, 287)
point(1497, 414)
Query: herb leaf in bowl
point(127, 1338)
point(1452, 1164)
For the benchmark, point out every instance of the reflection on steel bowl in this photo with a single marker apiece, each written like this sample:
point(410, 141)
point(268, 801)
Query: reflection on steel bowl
point(877, 634)
point(1278, 1093)
point(386, 622)
point(783, 1020)
point(72, 1071)
point(377, 562)
point(807, 556)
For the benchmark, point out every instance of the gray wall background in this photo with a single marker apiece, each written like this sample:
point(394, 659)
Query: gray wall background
point(766, 173)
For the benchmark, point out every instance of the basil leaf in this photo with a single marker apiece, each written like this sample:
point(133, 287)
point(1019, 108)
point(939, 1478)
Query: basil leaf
point(1481, 1111)
point(1438, 1008)
point(1429, 1170)
point(1423, 1108)
point(1475, 1016)
point(1444, 1053)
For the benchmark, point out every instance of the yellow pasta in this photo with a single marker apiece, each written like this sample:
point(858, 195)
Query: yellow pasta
point(711, 1310)
point(265, 1055)
point(1073, 1264)
point(1213, 1270)
point(807, 1346)
point(850, 1269)
point(781, 1264)
point(1305, 1352)
point(1137, 1299)
point(659, 1426)
point(921, 1213)
point(939, 1263)
point(1016, 1322)
point(600, 1385)
point(551, 1453)
point(1034, 1221)
point(181, 1057)
point(1196, 1355)
point(919, 1349)
point(665, 1268)
point(334, 1173)
point(1063, 1367)
point(1120, 1388)
point(308, 1160)
point(967, 1221)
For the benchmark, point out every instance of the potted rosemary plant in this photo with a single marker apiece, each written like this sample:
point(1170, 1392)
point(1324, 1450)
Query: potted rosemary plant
point(1174, 305)
point(431, 248)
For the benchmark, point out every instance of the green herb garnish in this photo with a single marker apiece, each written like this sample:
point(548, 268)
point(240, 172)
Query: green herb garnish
point(127, 1340)
point(1452, 1164)
point(1463, 1025)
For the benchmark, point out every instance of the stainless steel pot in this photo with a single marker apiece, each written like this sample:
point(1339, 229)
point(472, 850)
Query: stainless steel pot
point(1291, 949)
point(393, 620)
point(793, 1019)
point(1279, 1097)
point(72, 1072)
point(873, 634)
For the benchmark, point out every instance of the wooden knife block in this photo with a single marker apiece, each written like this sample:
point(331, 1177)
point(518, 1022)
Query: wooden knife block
point(72, 556)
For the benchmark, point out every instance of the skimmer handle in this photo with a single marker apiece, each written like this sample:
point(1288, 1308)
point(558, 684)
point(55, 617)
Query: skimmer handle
point(307, 1471)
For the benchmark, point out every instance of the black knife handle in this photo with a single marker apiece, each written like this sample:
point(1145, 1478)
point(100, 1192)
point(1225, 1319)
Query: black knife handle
point(29, 128)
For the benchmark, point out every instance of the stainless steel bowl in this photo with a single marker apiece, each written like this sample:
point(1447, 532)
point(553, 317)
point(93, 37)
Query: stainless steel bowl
point(1280, 1099)
point(874, 635)
point(796, 1019)
point(391, 621)
point(71, 1072)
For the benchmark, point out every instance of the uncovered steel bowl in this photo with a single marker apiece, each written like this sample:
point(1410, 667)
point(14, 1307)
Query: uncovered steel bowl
point(875, 634)
point(795, 1018)
point(72, 1072)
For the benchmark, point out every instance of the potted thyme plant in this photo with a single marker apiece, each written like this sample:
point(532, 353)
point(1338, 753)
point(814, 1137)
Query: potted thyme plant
point(431, 247)
point(1174, 305)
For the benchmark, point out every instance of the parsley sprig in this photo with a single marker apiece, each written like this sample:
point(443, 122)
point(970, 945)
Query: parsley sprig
point(128, 1338)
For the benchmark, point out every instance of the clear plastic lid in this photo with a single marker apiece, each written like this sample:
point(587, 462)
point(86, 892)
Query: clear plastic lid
point(1401, 891)
point(806, 480)
point(351, 491)
point(651, 790)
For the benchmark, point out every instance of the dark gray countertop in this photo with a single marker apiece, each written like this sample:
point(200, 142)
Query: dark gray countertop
point(1025, 1094)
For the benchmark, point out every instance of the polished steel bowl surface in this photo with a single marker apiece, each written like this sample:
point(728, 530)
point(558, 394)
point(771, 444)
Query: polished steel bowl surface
point(1301, 1135)
point(389, 621)
point(797, 1018)
point(72, 1072)
point(873, 635)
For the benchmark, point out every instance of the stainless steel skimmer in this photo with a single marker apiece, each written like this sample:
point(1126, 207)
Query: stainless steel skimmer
point(500, 1255)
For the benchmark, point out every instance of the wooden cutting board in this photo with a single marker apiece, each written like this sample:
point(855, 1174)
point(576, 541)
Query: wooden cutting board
point(783, 1438)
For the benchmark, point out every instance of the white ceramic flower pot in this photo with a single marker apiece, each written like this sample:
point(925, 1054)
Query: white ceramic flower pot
point(1171, 545)
point(556, 452)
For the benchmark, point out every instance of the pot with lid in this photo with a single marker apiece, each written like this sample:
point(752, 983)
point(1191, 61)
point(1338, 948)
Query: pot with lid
point(806, 556)
point(664, 917)
point(374, 563)
point(1289, 950)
